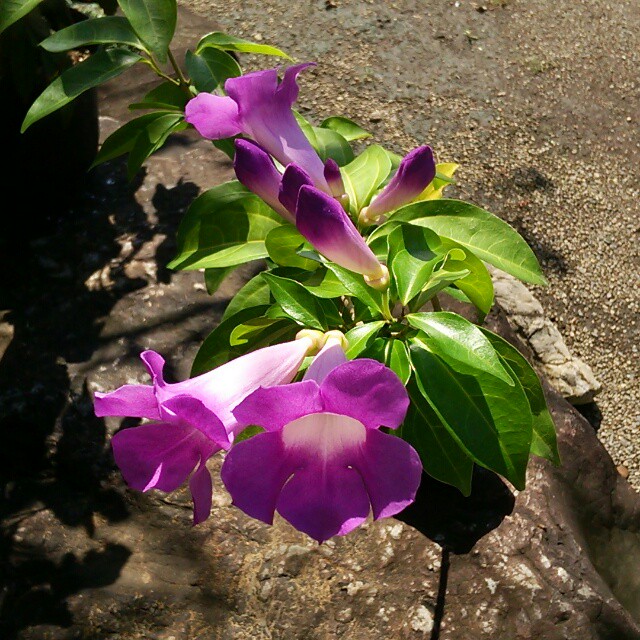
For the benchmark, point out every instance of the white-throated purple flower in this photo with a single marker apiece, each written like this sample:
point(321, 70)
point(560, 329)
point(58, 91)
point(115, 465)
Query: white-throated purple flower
point(323, 462)
point(259, 107)
point(416, 170)
point(193, 419)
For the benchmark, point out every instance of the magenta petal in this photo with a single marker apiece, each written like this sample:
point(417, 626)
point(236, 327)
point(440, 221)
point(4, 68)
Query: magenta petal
point(274, 407)
point(254, 472)
point(367, 391)
point(417, 169)
point(252, 89)
point(324, 223)
point(214, 117)
point(324, 501)
point(201, 489)
point(333, 177)
point(293, 179)
point(288, 89)
point(256, 171)
point(190, 411)
point(157, 456)
point(330, 356)
point(155, 366)
point(134, 400)
point(391, 470)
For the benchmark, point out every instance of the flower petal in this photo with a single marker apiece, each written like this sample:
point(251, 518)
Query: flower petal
point(214, 117)
point(330, 356)
point(324, 223)
point(134, 400)
point(275, 407)
point(333, 177)
point(293, 179)
point(252, 90)
point(201, 489)
point(256, 171)
point(288, 89)
point(391, 470)
point(159, 455)
point(192, 412)
point(254, 472)
point(155, 366)
point(367, 391)
point(417, 169)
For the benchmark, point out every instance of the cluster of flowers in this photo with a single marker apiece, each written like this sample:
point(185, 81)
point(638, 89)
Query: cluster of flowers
point(322, 461)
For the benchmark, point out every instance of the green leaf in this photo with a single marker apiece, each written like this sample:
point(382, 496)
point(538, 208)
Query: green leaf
point(453, 337)
point(359, 337)
point(210, 69)
point(440, 280)
point(213, 278)
point(322, 283)
point(412, 257)
point(356, 286)
point(227, 146)
point(106, 30)
point(166, 96)
point(397, 359)
point(249, 330)
point(297, 302)
point(283, 242)
point(365, 174)
point(348, 129)
point(488, 418)
point(487, 236)
point(330, 144)
point(254, 293)
point(220, 40)
point(122, 140)
point(154, 21)
point(442, 457)
point(544, 441)
point(101, 66)
point(12, 10)
point(223, 227)
point(151, 138)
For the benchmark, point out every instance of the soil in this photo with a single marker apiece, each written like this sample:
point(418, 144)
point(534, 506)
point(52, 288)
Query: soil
point(539, 102)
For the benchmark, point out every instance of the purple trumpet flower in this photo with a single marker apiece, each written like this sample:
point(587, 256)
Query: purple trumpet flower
point(323, 462)
point(259, 107)
point(192, 419)
point(417, 169)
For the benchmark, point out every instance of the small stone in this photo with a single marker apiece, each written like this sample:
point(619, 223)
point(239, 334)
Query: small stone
point(345, 615)
point(623, 471)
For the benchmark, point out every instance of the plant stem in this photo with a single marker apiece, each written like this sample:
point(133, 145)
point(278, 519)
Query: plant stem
point(182, 80)
point(154, 65)
point(436, 303)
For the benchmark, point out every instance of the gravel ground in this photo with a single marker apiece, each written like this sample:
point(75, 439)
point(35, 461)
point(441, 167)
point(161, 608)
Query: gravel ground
point(539, 100)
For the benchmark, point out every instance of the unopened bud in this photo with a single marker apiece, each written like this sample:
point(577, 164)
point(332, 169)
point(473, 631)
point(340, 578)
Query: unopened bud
point(380, 283)
point(344, 201)
point(366, 220)
point(337, 336)
point(316, 340)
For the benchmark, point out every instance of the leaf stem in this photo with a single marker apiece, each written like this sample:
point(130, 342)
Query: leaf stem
point(435, 303)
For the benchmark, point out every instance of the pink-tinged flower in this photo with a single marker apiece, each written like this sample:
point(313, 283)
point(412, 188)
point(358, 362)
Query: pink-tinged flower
point(334, 178)
point(259, 107)
point(417, 170)
point(255, 170)
point(192, 419)
point(326, 225)
point(323, 462)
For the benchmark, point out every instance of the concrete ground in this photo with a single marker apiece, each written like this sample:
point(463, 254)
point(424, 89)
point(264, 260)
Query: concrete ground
point(539, 101)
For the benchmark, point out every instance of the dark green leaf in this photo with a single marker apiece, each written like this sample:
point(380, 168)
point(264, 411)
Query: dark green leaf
point(489, 419)
point(254, 293)
point(166, 96)
point(365, 174)
point(154, 21)
point(226, 145)
point(348, 129)
point(12, 10)
point(355, 284)
point(225, 226)
point(101, 66)
point(397, 359)
point(107, 30)
point(213, 278)
point(225, 42)
point(283, 242)
point(330, 144)
point(210, 69)
point(360, 336)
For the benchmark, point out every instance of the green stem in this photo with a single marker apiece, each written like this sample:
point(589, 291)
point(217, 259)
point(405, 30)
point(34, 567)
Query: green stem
point(386, 311)
point(154, 65)
point(436, 303)
point(183, 82)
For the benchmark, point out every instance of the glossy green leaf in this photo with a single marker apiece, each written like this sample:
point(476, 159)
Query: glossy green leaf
point(247, 331)
point(209, 69)
point(283, 242)
point(489, 419)
point(101, 66)
point(355, 285)
point(254, 293)
point(365, 174)
point(453, 337)
point(154, 21)
point(348, 129)
point(151, 138)
point(12, 10)
point(487, 236)
point(544, 441)
point(330, 144)
point(397, 359)
point(220, 40)
point(297, 302)
point(213, 278)
point(360, 336)
point(322, 283)
point(376, 349)
point(166, 96)
point(106, 30)
point(225, 226)
point(227, 146)
point(440, 280)
point(442, 457)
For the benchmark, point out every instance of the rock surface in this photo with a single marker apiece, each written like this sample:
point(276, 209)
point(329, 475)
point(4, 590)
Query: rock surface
point(85, 558)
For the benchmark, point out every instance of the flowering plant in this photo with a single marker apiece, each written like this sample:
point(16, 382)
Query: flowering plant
point(335, 377)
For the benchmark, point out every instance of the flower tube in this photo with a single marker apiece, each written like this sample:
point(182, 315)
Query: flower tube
point(193, 419)
point(323, 462)
point(417, 170)
point(259, 107)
